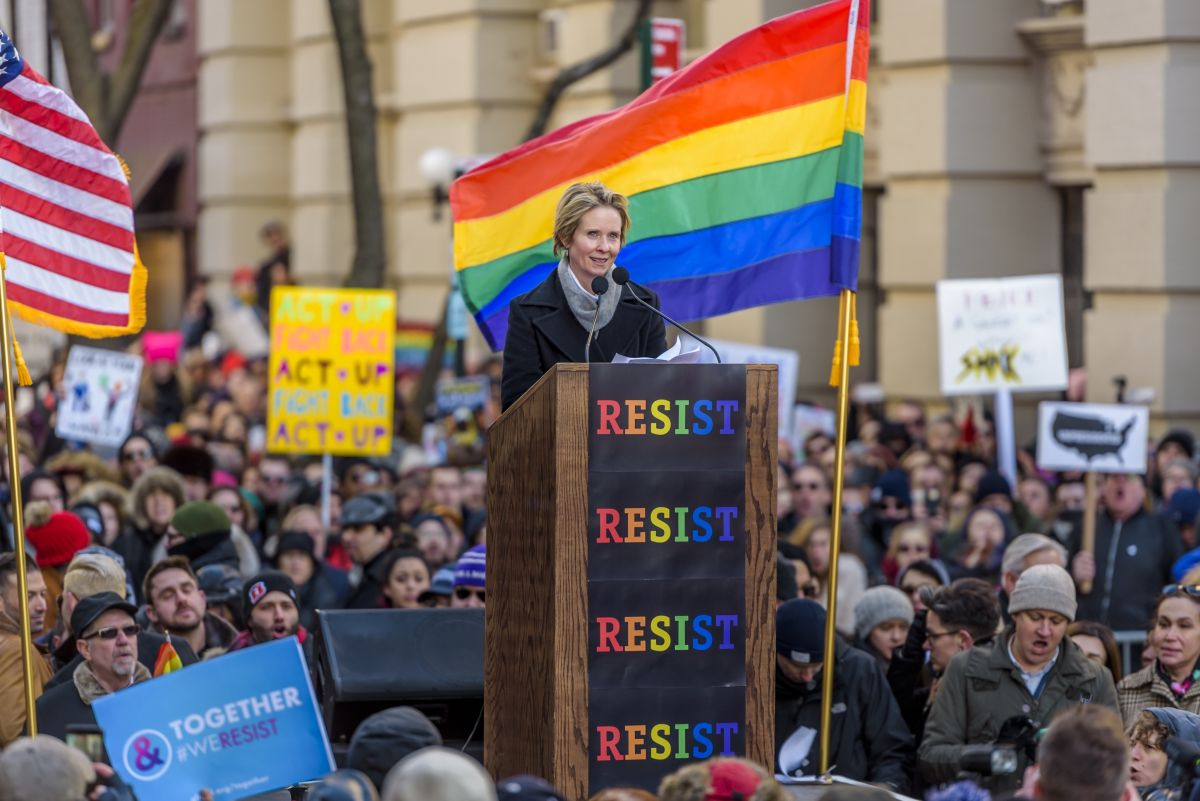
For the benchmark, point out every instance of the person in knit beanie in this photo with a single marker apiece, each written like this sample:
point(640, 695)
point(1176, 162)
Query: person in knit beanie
point(881, 620)
point(470, 579)
point(1006, 692)
point(57, 537)
point(200, 532)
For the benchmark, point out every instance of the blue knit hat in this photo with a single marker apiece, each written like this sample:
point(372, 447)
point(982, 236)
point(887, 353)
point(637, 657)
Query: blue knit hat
point(1184, 506)
point(469, 572)
point(800, 631)
point(892, 484)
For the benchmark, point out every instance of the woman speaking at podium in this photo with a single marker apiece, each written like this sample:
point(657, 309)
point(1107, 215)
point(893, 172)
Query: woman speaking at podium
point(551, 323)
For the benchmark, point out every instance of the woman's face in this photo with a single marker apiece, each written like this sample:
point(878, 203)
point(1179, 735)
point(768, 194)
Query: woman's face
point(112, 521)
point(912, 546)
point(818, 550)
point(45, 489)
point(911, 586)
point(160, 507)
point(888, 636)
point(1175, 478)
point(1147, 766)
point(433, 542)
point(297, 565)
point(231, 504)
point(405, 583)
point(595, 244)
point(986, 529)
point(1177, 633)
point(136, 458)
point(1092, 648)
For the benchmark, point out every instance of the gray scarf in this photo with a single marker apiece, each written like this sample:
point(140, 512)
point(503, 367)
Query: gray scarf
point(582, 304)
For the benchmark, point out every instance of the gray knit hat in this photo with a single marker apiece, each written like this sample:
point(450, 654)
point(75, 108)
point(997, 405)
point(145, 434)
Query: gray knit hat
point(879, 605)
point(44, 768)
point(1046, 587)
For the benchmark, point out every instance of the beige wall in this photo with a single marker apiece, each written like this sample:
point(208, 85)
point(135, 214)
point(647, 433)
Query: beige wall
point(978, 112)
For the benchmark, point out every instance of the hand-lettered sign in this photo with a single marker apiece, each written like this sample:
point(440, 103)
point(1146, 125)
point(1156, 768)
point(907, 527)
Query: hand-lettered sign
point(331, 385)
point(101, 389)
point(1002, 333)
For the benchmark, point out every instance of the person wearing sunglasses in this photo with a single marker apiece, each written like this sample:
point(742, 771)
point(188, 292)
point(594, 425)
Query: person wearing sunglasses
point(108, 642)
point(1172, 680)
point(470, 579)
point(136, 456)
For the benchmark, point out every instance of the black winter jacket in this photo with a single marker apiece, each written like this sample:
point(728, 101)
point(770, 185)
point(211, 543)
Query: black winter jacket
point(1133, 564)
point(869, 741)
point(543, 331)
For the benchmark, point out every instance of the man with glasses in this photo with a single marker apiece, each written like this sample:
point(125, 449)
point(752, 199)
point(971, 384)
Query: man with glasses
point(470, 579)
point(1005, 693)
point(952, 620)
point(107, 641)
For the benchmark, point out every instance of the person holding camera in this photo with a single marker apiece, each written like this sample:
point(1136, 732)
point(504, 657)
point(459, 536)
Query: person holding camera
point(1004, 694)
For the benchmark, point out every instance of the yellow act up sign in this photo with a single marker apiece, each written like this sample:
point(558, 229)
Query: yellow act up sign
point(331, 386)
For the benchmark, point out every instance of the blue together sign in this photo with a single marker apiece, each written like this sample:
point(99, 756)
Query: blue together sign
point(239, 726)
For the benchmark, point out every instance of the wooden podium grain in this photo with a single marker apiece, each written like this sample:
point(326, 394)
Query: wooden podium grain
point(536, 633)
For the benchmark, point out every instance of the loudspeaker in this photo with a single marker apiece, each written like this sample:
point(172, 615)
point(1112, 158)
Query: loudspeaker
point(431, 659)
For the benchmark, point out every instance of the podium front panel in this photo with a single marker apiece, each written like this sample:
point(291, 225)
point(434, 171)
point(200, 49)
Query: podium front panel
point(655, 646)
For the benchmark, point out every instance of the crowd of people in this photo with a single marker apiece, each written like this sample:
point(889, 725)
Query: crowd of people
point(969, 614)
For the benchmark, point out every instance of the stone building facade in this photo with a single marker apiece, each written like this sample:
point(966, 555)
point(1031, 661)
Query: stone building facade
point(1004, 138)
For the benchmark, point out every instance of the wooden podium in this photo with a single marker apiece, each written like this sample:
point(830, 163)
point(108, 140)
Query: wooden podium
point(583, 633)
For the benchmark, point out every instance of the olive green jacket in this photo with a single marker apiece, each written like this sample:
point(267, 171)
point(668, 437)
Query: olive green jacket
point(982, 688)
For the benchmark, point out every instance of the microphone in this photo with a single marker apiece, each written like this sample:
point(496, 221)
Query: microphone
point(599, 286)
point(621, 276)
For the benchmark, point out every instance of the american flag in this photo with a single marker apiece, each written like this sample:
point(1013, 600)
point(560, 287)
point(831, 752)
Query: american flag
point(66, 220)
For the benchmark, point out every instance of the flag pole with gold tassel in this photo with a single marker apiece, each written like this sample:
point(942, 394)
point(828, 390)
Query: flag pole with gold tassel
point(11, 354)
point(845, 354)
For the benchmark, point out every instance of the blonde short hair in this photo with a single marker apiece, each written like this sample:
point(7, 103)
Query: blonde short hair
point(577, 201)
point(93, 573)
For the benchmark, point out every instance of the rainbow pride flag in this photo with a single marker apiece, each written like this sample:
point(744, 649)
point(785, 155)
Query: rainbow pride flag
point(743, 170)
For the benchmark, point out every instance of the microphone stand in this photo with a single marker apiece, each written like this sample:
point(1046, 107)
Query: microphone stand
point(599, 286)
point(621, 276)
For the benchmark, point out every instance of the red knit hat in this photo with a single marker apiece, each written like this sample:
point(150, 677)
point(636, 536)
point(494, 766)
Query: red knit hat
point(57, 538)
point(732, 780)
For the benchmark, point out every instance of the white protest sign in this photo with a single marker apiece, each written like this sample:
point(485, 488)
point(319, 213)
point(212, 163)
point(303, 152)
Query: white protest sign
point(101, 389)
point(1101, 438)
point(1002, 333)
point(788, 362)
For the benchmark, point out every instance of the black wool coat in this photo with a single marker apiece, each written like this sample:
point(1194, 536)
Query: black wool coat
point(542, 331)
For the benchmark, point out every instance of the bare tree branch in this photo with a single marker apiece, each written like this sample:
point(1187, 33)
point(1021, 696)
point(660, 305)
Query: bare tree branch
point(370, 261)
point(146, 21)
point(577, 72)
point(73, 28)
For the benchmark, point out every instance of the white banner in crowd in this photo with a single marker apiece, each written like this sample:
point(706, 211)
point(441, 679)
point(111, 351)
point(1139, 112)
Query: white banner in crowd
point(1101, 438)
point(101, 392)
point(1002, 333)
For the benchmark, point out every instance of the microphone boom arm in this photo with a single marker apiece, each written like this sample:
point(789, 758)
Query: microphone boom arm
point(680, 326)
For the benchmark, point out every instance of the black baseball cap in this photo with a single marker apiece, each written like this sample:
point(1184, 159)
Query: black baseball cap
point(368, 508)
point(89, 610)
